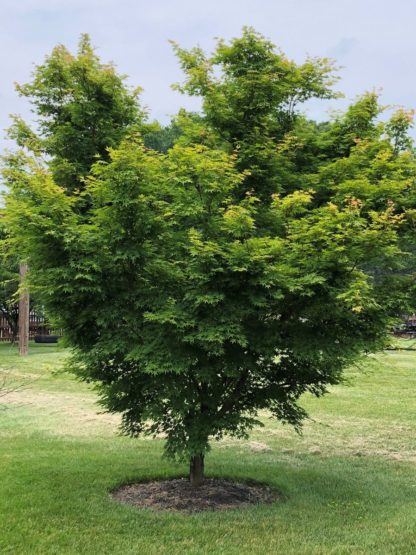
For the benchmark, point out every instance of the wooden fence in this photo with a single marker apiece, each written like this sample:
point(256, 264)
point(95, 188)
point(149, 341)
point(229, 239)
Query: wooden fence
point(37, 326)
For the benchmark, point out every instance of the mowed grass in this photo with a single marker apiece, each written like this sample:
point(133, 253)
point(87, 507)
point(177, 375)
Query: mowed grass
point(349, 482)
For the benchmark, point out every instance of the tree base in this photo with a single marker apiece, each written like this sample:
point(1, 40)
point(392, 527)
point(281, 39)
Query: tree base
point(215, 494)
point(196, 470)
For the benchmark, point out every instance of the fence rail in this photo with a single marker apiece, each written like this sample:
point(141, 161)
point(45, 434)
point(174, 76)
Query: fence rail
point(37, 326)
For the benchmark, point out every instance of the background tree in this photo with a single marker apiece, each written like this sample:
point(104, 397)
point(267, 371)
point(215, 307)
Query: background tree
point(9, 284)
point(230, 274)
point(161, 137)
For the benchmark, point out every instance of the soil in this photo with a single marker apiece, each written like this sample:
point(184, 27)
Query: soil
point(215, 494)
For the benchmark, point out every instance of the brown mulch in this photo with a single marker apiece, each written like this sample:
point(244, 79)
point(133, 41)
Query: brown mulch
point(215, 494)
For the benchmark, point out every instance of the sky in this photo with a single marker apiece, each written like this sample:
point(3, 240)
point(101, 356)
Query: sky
point(373, 40)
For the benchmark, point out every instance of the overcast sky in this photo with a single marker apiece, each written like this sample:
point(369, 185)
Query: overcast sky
point(374, 41)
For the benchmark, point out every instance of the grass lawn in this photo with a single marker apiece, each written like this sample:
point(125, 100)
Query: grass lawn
point(349, 481)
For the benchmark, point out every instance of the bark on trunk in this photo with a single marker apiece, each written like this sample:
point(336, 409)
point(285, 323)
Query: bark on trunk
point(23, 313)
point(196, 471)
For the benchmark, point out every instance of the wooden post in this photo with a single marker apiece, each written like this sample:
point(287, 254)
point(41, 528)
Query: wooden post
point(23, 313)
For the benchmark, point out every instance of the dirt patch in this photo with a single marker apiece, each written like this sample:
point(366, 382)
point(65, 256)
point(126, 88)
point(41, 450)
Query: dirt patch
point(178, 495)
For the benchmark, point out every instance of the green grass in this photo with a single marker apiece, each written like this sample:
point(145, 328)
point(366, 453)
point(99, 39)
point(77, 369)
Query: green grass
point(349, 481)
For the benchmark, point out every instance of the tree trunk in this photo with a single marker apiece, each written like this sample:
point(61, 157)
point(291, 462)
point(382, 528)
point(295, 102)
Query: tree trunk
point(23, 313)
point(196, 471)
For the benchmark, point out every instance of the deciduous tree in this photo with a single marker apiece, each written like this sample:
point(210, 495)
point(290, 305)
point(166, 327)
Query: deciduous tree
point(250, 263)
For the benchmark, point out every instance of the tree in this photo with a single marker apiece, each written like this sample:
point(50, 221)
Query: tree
point(228, 275)
point(161, 138)
point(11, 280)
point(9, 284)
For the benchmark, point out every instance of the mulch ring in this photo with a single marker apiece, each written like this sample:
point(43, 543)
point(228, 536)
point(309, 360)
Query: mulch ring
point(215, 494)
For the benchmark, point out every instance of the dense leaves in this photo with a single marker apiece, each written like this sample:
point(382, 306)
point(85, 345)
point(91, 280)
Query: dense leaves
point(82, 107)
point(9, 284)
point(234, 265)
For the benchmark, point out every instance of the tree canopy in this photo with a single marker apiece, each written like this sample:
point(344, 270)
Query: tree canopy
point(82, 107)
point(249, 261)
